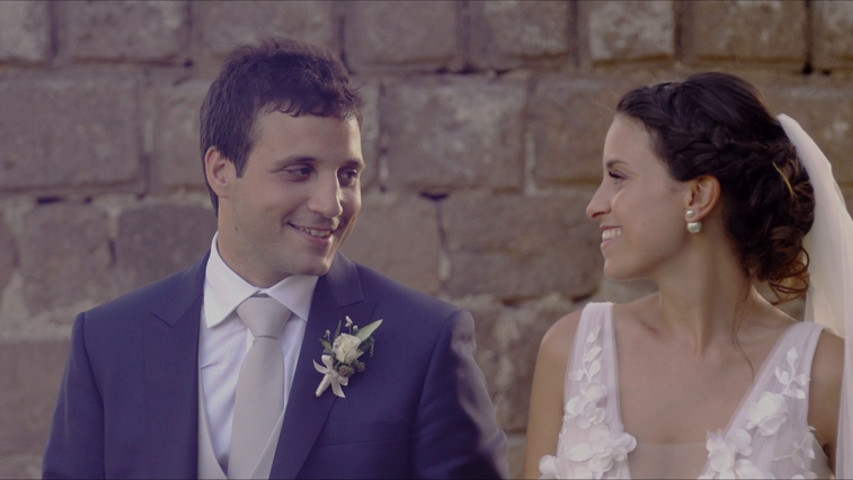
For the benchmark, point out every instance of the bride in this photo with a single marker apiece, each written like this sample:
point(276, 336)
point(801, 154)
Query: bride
point(708, 195)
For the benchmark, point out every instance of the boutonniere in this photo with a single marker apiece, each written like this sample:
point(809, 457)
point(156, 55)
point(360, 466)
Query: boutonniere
point(341, 355)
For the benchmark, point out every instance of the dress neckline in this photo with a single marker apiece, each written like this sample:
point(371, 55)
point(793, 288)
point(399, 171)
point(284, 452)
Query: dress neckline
point(744, 400)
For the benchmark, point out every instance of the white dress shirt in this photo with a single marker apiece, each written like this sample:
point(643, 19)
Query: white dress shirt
point(225, 340)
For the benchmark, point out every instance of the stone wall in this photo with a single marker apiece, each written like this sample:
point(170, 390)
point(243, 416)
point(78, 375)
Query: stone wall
point(483, 136)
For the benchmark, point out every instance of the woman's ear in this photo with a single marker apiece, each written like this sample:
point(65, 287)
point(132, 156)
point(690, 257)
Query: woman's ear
point(219, 171)
point(703, 196)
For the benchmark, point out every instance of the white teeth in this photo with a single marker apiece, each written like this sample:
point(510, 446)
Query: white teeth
point(611, 233)
point(314, 232)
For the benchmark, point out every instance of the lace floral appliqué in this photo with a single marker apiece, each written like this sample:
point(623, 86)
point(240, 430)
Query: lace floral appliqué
point(606, 449)
point(729, 456)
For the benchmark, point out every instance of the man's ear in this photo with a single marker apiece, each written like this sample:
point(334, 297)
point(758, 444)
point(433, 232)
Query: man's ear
point(703, 196)
point(220, 172)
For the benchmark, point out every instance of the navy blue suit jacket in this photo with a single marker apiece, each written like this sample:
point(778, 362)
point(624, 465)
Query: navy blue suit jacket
point(128, 405)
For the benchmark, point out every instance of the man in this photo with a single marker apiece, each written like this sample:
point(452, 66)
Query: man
point(153, 382)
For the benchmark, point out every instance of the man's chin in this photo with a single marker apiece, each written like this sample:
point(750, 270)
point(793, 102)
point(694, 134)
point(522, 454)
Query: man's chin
point(318, 268)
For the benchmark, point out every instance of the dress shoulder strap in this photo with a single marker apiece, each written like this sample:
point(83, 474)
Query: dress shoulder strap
point(770, 428)
point(591, 336)
point(592, 441)
point(787, 369)
point(800, 341)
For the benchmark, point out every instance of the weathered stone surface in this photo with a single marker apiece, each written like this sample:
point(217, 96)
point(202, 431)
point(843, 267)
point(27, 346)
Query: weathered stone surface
point(516, 444)
point(397, 235)
point(177, 155)
point(369, 90)
point(465, 135)
point(568, 121)
point(518, 247)
point(413, 35)
point(66, 131)
point(7, 254)
point(157, 240)
point(137, 31)
point(65, 256)
point(510, 33)
point(24, 31)
point(222, 25)
point(30, 374)
point(21, 466)
point(826, 114)
point(832, 41)
point(507, 343)
point(630, 30)
point(764, 31)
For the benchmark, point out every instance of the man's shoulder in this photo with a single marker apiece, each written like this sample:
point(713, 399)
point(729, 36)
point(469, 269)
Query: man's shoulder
point(167, 292)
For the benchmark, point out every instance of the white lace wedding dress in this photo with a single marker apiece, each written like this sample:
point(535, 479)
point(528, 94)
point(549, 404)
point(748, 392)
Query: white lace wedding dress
point(768, 436)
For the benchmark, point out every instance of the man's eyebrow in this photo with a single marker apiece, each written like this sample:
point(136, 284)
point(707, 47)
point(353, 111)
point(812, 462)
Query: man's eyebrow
point(281, 162)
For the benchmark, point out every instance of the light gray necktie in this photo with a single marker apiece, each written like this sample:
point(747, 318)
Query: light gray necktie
point(260, 387)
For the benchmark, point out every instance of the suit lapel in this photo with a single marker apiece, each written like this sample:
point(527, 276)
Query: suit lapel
point(338, 294)
point(170, 362)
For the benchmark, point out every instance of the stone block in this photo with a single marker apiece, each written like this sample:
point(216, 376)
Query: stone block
point(419, 35)
point(511, 33)
point(30, 374)
point(177, 155)
point(465, 135)
point(568, 121)
point(832, 34)
point(508, 341)
point(754, 31)
point(518, 247)
point(516, 444)
point(826, 113)
point(398, 235)
point(25, 31)
point(7, 254)
point(141, 31)
point(21, 466)
point(154, 241)
point(370, 91)
point(69, 132)
point(222, 25)
point(629, 30)
point(65, 256)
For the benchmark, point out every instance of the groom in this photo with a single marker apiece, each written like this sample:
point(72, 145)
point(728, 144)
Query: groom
point(154, 383)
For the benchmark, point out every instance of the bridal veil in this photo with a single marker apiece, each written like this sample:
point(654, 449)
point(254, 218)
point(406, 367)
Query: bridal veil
point(829, 300)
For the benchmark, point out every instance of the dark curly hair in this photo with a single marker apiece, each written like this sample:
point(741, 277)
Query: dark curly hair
point(716, 124)
point(279, 75)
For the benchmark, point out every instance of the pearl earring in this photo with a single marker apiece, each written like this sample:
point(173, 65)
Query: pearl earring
point(693, 227)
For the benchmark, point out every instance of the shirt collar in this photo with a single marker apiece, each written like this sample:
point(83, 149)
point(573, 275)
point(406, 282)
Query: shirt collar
point(224, 290)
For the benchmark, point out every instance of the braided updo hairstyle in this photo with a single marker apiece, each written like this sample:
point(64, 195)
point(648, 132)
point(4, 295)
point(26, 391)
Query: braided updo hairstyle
point(715, 124)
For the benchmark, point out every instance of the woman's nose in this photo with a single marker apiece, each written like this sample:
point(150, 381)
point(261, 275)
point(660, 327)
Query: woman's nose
point(598, 205)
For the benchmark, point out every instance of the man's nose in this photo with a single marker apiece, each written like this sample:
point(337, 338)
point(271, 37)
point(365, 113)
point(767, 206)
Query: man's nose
point(326, 198)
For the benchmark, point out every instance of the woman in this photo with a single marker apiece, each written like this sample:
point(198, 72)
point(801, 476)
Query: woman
point(704, 194)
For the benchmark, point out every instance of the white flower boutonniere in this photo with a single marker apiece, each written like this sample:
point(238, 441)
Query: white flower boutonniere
point(341, 355)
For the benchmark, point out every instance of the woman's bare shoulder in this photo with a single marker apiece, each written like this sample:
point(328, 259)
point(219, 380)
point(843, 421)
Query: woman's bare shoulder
point(557, 341)
point(828, 359)
point(825, 389)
